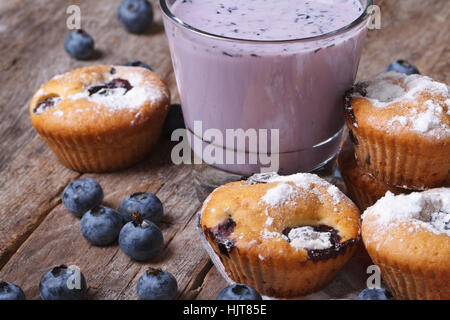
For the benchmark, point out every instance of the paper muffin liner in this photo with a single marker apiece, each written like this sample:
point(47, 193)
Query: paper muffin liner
point(407, 283)
point(362, 187)
point(280, 280)
point(404, 161)
point(101, 153)
point(362, 198)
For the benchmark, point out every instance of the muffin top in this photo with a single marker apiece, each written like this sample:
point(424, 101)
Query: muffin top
point(401, 104)
point(414, 227)
point(100, 98)
point(300, 215)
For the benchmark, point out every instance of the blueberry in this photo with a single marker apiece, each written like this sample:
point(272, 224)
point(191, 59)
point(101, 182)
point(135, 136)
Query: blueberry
point(101, 225)
point(403, 66)
point(375, 294)
point(140, 239)
point(10, 291)
point(79, 44)
point(174, 120)
point(136, 16)
point(156, 284)
point(63, 283)
point(238, 292)
point(82, 195)
point(138, 63)
point(148, 205)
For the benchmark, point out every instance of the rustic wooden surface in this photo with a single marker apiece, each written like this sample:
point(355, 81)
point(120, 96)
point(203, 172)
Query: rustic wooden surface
point(36, 232)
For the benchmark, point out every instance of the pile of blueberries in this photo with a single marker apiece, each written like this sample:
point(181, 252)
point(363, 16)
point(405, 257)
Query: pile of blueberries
point(133, 224)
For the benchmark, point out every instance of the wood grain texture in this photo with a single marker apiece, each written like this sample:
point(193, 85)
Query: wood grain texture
point(36, 232)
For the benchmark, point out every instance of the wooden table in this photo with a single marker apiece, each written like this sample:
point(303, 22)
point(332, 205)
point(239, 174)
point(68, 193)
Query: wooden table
point(36, 232)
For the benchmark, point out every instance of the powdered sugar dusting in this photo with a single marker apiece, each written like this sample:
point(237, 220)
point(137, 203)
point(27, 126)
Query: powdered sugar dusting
point(285, 191)
point(281, 194)
point(384, 92)
point(266, 234)
point(423, 122)
point(389, 88)
point(142, 91)
point(428, 210)
point(121, 98)
point(427, 120)
point(307, 238)
point(309, 181)
point(59, 113)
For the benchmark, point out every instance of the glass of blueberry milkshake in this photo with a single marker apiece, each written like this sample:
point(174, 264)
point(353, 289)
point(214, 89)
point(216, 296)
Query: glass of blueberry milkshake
point(266, 64)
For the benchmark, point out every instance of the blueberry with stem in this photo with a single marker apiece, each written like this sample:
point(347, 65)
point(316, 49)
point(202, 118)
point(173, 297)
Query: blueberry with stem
point(140, 239)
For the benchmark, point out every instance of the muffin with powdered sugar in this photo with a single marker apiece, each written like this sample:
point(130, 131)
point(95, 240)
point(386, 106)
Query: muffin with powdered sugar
point(286, 236)
point(408, 238)
point(400, 128)
point(101, 118)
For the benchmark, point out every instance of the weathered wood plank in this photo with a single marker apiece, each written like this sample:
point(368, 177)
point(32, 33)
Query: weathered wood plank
point(28, 189)
point(413, 30)
point(212, 285)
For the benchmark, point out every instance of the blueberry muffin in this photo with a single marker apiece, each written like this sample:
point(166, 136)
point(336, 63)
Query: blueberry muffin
point(286, 236)
point(101, 118)
point(408, 237)
point(400, 126)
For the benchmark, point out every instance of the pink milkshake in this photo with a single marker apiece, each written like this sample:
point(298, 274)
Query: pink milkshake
point(267, 64)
